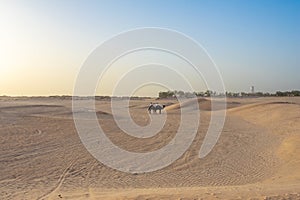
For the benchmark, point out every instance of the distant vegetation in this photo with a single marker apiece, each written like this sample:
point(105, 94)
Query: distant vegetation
point(171, 94)
point(208, 93)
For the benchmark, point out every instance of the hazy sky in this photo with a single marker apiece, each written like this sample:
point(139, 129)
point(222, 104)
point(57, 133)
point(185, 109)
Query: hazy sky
point(44, 43)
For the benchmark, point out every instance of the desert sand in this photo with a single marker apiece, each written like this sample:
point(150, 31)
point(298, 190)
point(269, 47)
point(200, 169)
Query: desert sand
point(256, 157)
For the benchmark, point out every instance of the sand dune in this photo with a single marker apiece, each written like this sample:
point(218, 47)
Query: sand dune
point(205, 104)
point(257, 155)
point(282, 118)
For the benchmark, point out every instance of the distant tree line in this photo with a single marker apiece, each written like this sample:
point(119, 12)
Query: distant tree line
point(175, 93)
point(294, 93)
point(209, 93)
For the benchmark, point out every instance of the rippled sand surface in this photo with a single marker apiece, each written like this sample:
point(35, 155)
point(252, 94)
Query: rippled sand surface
point(256, 156)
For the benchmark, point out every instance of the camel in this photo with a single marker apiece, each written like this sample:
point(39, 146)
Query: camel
point(155, 107)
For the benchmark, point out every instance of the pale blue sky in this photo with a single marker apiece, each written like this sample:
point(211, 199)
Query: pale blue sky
point(44, 43)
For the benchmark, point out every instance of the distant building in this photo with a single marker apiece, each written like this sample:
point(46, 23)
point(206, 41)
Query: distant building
point(252, 89)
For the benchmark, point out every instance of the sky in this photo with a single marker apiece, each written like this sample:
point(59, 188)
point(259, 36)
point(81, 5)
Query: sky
point(44, 43)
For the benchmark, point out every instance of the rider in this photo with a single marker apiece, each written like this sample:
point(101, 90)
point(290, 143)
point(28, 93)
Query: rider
point(149, 107)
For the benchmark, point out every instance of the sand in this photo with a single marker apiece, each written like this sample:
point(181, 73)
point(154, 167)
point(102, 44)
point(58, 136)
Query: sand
point(257, 155)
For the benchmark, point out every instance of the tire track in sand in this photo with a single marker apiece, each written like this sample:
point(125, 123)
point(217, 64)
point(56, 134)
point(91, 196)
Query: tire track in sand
point(60, 181)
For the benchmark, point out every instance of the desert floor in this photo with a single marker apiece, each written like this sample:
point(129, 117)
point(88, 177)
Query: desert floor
point(256, 157)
